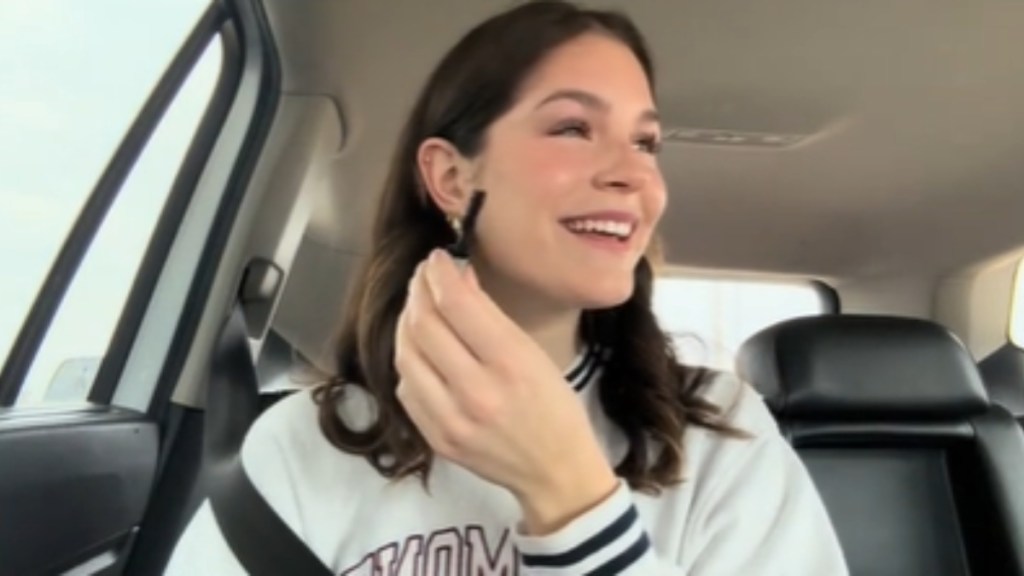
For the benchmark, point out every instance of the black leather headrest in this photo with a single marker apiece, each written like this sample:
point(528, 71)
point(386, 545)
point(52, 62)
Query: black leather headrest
point(862, 367)
point(1003, 373)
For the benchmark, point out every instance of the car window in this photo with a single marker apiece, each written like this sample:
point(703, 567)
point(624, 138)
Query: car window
point(75, 77)
point(708, 319)
point(1017, 308)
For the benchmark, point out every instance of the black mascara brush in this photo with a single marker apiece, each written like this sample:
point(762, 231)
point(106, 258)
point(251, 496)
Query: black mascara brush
point(459, 250)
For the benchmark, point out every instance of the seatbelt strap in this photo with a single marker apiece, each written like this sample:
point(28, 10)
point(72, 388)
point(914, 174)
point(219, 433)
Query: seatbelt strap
point(259, 538)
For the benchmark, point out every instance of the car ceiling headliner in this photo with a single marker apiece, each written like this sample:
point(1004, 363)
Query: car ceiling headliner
point(913, 113)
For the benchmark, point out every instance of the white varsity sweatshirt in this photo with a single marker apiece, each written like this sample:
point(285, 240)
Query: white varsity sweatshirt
point(747, 508)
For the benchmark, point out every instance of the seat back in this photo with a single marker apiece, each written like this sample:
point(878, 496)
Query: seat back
point(1003, 373)
point(919, 474)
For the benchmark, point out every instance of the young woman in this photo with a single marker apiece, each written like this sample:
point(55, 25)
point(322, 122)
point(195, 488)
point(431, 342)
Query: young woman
point(526, 415)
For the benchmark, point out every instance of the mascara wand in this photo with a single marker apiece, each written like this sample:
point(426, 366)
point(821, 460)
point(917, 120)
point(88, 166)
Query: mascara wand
point(459, 250)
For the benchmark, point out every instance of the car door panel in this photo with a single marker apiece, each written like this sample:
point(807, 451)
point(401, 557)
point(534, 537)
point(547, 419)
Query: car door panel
point(54, 522)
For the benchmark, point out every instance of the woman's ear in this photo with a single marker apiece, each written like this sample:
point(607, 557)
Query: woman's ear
point(445, 175)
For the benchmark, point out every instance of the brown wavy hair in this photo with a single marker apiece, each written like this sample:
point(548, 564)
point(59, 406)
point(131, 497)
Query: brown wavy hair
point(643, 388)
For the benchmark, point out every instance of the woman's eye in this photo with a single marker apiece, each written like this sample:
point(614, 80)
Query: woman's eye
point(649, 144)
point(574, 128)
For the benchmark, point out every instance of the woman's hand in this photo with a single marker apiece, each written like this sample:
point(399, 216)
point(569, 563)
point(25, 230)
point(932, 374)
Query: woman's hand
point(487, 397)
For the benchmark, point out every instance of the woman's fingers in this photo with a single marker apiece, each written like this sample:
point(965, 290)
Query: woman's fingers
point(426, 399)
point(436, 340)
point(474, 318)
point(464, 376)
point(481, 392)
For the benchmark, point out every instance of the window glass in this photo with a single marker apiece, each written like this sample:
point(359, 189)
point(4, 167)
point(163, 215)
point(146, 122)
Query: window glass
point(75, 76)
point(709, 319)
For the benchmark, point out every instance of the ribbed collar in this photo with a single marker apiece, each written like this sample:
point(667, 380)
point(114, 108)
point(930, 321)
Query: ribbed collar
point(583, 369)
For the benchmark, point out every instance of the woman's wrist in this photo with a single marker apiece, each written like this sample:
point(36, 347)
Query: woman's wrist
point(548, 508)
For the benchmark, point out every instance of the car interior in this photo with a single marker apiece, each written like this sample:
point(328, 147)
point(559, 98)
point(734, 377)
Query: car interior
point(919, 473)
point(871, 150)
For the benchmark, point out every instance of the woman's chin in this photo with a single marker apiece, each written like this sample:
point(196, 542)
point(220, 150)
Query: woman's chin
point(603, 294)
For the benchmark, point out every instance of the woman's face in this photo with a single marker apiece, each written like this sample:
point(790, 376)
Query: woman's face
point(573, 186)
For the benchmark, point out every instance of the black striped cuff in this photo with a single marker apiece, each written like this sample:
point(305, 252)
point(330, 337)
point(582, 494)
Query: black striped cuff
point(605, 540)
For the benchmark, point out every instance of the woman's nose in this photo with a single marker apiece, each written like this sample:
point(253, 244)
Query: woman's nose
point(625, 170)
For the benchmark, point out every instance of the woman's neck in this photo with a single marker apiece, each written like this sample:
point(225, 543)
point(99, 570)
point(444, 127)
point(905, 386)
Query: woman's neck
point(555, 334)
point(553, 327)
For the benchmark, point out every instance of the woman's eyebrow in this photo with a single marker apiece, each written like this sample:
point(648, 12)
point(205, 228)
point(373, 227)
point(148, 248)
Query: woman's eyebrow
point(592, 101)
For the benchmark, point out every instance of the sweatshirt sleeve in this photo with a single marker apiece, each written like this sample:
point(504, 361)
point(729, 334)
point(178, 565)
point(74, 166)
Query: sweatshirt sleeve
point(760, 514)
point(767, 518)
point(607, 539)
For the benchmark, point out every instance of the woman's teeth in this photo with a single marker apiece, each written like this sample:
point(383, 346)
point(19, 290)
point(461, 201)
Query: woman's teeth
point(621, 230)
